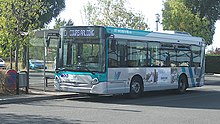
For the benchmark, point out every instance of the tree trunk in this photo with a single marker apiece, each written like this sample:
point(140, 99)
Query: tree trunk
point(16, 56)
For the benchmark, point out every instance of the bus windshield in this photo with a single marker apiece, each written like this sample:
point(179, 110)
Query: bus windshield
point(84, 54)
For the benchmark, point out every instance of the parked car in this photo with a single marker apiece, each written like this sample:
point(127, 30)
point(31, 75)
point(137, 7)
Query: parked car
point(2, 63)
point(36, 64)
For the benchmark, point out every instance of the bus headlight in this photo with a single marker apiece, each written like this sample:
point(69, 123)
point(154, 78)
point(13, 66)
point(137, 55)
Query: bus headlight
point(57, 80)
point(95, 81)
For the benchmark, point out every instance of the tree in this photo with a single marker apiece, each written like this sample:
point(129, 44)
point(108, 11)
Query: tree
point(17, 17)
point(176, 16)
point(113, 13)
point(15, 20)
point(53, 9)
point(205, 8)
point(59, 23)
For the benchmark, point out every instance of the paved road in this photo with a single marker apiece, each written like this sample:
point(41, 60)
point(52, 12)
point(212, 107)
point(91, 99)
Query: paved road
point(197, 106)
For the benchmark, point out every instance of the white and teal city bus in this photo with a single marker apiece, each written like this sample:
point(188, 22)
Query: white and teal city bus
point(108, 60)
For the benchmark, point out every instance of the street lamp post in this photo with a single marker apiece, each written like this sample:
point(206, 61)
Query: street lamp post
point(157, 20)
point(44, 60)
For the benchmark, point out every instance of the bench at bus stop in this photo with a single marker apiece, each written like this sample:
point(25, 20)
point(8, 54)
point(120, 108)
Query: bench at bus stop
point(48, 77)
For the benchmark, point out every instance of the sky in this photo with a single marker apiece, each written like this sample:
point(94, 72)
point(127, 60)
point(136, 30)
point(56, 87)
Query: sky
point(149, 8)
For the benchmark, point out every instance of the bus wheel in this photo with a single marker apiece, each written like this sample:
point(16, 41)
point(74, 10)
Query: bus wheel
point(136, 87)
point(182, 84)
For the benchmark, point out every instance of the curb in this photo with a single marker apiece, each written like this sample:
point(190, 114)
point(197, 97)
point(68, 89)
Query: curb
point(217, 75)
point(31, 98)
point(212, 75)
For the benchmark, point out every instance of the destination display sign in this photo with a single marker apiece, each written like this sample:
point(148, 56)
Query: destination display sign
point(94, 32)
point(82, 33)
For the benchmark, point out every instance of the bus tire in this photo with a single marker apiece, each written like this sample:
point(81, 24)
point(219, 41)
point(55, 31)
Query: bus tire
point(136, 87)
point(182, 84)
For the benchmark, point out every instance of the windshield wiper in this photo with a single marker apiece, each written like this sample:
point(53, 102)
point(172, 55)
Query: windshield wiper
point(63, 69)
point(78, 69)
point(86, 68)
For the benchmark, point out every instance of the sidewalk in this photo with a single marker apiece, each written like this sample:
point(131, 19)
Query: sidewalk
point(34, 95)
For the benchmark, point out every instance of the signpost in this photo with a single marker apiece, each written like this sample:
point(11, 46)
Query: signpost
point(11, 78)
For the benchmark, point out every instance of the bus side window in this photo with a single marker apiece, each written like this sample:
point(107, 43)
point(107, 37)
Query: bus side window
point(196, 56)
point(154, 53)
point(117, 53)
point(136, 53)
point(183, 58)
point(112, 53)
point(167, 61)
point(113, 45)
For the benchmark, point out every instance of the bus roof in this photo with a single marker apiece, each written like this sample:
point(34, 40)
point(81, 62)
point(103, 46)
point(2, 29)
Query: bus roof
point(165, 36)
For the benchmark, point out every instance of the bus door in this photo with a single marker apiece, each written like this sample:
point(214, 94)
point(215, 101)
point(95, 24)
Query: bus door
point(117, 74)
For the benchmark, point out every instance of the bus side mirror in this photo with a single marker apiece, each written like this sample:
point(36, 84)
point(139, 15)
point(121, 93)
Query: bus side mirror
point(59, 43)
point(113, 45)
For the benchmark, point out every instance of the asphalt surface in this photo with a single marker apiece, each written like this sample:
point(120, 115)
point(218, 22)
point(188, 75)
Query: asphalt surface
point(38, 91)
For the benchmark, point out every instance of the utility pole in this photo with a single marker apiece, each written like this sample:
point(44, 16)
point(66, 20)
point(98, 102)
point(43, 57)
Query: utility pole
point(157, 20)
point(44, 60)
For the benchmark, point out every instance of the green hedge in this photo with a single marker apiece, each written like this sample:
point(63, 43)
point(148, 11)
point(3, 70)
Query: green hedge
point(212, 64)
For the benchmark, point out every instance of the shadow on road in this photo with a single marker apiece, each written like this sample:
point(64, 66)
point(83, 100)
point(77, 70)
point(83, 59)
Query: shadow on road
point(192, 99)
point(206, 97)
point(214, 83)
point(34, 119)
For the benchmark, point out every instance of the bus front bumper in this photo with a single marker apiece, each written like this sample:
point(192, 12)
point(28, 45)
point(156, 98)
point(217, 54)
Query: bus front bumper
point(100, 88)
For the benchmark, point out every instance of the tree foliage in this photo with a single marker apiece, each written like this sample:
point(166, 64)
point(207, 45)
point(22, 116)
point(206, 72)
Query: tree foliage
point(176, 16)
point(205, 8)
point(19, 17)
point(16, 19)
point(53, 9)
point(113, 13)
point(59, 23)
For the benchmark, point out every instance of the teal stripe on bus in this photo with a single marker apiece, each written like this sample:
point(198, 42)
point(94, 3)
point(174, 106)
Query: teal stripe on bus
point(183, 70)
point(191, 77)
point(125, 31)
